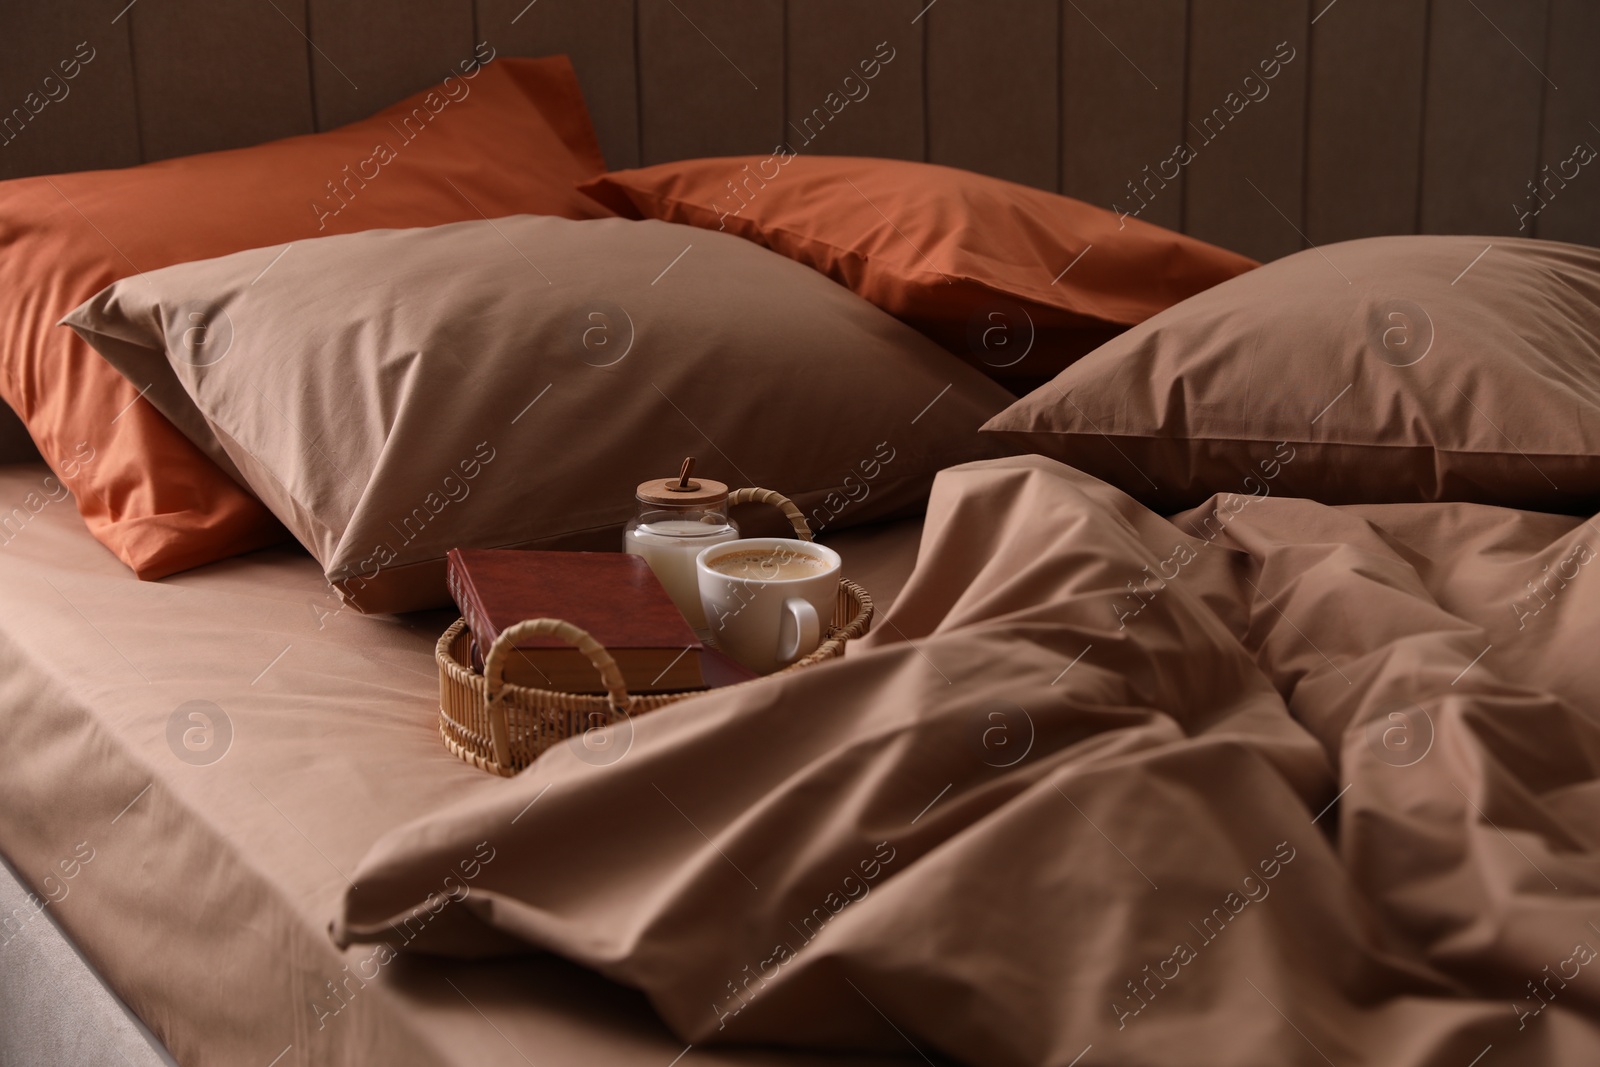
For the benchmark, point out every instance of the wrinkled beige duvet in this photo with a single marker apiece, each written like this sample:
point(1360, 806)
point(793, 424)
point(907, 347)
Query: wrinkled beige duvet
point(1268, 783)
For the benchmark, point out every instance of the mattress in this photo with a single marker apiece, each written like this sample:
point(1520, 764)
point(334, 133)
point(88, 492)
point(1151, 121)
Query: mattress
point(191, 771)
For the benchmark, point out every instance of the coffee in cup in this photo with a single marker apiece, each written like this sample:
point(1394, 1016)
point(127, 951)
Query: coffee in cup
point(774, 565)
point(768, 600)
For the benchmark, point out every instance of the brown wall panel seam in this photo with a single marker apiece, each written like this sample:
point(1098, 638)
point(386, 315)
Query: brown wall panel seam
point(1183, 110)
point(638, 92)
point(1544, 108)
point(311, 71)
point(133, 77)
point(1305, 128)
point(924, 73)
point(1422, 118)
point(1062, 140)
point(783, 75)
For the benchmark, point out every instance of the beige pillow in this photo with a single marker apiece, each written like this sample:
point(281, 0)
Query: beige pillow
point(393, 394)
point(1387, 370)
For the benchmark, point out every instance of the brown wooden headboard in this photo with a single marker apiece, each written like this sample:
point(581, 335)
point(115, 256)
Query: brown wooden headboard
point(1392, 116)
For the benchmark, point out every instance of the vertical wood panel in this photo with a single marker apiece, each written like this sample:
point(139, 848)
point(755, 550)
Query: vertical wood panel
point(1368, 59)
point(1245, 188)
point(1122, 70)
point(598, 36)
point(710, 77)
point(994, 89)
point(389, 48)
point(1481, 130)
point(828, 41)
point(1571, 115)
point(217, 74)
point(184, 76)
point(79, 123)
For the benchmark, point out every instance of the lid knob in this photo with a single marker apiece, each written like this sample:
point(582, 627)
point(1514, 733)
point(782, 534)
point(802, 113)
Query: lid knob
point(683, 491)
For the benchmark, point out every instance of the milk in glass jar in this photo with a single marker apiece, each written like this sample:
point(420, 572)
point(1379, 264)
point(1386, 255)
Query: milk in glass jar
point(677, 518)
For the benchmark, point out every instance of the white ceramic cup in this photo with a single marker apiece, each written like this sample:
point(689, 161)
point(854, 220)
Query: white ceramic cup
point(768, 622)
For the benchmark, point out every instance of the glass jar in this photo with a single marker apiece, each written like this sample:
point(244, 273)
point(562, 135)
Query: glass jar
point(677, 518)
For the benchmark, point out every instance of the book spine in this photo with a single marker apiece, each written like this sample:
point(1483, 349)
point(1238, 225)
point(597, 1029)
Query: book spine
point(462, 591)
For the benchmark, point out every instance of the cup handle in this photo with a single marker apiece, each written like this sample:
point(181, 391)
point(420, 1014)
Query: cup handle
point(800, 631)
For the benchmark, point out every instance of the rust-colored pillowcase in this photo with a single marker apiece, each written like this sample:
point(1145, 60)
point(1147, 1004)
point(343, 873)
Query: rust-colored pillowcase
point(509, 383)
point(511, 136)
point(1017, 281)
point(1387, 370)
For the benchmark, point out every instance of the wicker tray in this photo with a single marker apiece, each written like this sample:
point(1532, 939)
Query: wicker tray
point(503, 728)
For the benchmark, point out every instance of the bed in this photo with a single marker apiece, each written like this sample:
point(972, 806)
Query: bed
point(224, 796)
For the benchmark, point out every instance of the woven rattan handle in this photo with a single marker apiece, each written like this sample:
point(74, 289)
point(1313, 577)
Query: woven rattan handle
point(777, 500)
point(504, 647)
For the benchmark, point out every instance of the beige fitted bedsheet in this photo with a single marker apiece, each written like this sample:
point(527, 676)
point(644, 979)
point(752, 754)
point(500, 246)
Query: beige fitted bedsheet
point(201, 888)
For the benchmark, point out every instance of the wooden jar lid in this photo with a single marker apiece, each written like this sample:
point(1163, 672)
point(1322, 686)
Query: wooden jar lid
point(699, 492)
point(684, 491)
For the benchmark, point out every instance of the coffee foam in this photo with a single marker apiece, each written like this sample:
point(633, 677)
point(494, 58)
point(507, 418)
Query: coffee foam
point(768, 565)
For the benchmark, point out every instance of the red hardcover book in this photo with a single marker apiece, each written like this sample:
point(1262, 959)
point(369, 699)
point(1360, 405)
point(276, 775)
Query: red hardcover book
point(613, 595)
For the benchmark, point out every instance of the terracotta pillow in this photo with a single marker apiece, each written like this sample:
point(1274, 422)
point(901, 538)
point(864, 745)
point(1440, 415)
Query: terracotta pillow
point(1386, 370)
point(1018, 281)
point(511, 137)
point(395, 394)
